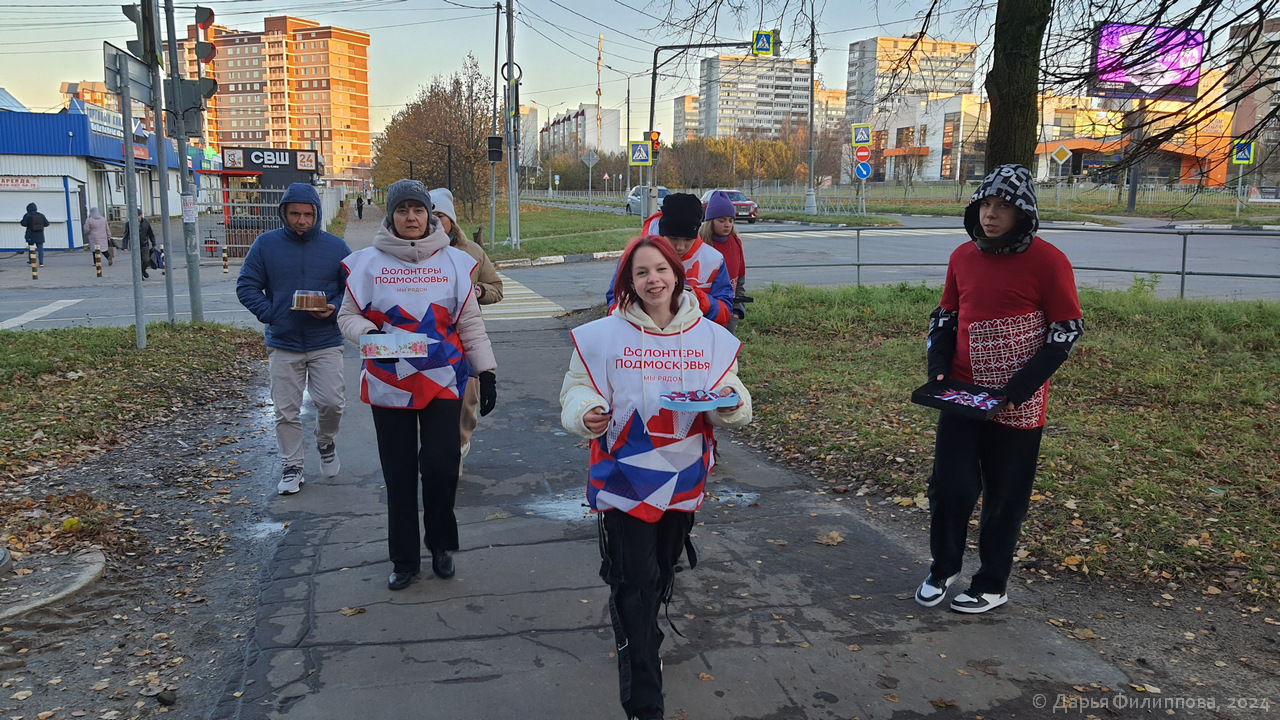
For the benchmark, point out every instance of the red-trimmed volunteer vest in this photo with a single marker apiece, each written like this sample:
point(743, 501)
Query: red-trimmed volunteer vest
point(425, 298)
point(651, 459)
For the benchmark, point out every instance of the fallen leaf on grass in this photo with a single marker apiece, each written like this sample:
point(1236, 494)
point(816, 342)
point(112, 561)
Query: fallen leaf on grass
point(348, 611)
point(831, 538)
point(1211, 590)
point(1072, 560)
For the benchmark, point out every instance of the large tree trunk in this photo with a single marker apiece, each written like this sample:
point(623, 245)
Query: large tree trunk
point(1012, 83)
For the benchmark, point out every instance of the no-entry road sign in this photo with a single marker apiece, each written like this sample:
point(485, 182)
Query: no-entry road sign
point(862, 153)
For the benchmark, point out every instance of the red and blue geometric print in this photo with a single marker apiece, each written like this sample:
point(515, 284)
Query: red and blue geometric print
point(442, 373)
point(644, 474)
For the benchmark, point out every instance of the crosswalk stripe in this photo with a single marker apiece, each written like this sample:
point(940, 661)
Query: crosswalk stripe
point(520, 303)
point(38, 313)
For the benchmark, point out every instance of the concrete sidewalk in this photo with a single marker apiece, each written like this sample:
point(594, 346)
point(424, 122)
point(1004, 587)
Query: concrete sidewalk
point(775, 625)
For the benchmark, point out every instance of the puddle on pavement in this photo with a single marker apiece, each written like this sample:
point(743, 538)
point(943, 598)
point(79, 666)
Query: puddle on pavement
point(572, 506)
point(264, 530)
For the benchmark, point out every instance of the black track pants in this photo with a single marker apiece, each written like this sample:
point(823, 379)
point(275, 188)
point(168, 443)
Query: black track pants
point(638, 561)
point(975, 458)
point(419, 447)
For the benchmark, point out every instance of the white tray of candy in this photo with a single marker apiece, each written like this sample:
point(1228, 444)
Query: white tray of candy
point(697, 400)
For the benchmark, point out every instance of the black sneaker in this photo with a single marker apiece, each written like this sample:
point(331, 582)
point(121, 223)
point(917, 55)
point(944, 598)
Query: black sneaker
point(931, 592)
point(974, 603)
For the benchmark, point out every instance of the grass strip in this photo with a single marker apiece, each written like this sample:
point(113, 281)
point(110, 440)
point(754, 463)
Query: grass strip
point(1159, 461)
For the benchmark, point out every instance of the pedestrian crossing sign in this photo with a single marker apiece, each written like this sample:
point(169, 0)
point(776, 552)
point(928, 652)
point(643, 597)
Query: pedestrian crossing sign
point(862, 134)
point(1242, 152)
point(762, 42)
point(639, 153)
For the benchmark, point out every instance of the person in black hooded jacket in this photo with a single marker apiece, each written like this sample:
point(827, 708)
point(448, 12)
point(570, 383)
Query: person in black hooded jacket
point(1008, 318)
point(35, 222)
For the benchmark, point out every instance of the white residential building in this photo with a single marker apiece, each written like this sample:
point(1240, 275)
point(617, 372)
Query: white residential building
point(752, 95)
point(684, 122)
point(881, 68)
point(586, 128)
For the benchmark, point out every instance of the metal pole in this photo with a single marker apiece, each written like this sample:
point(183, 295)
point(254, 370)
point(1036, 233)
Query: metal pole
point(1182, 274)
point(131, 198)
point(1239, 189)
point(858, 250)
point(493, 166)
point(513, 122)
point(190, 232)
point(449, 149)
point(162, 167)
point(811, 198)
point(627, 145)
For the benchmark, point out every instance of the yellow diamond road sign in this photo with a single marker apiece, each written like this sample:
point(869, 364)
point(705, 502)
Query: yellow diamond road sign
point(1061, 155)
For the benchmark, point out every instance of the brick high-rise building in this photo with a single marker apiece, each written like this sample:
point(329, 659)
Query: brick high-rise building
point(293, 84)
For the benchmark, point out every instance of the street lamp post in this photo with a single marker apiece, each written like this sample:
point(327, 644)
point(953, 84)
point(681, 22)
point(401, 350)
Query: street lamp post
point(410, 166)
point(449, 171)
point(542, 151)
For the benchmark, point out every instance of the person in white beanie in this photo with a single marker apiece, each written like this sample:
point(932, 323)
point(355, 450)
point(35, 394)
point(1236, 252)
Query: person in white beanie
point(488, 289)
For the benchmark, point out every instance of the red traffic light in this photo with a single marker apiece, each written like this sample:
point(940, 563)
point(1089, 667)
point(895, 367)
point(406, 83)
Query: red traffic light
point(204, 17)
point(206, 51)
point(653, 139)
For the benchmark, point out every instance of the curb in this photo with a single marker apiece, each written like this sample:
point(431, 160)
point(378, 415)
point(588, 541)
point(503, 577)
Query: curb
point(94, 564)
point(558, 259)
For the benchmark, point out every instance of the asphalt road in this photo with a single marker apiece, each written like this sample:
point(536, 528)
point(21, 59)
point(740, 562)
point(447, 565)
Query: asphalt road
point(68, 293)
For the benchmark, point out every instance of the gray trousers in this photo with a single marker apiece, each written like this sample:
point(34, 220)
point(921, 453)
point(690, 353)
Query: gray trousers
point(317, 373)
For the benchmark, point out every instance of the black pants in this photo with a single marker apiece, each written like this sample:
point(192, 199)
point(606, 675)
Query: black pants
point(360, 212)
point(998, 462)
point(412, 444)
point(638, 560)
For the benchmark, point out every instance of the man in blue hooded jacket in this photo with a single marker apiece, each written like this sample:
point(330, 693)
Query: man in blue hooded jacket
point(304, 346)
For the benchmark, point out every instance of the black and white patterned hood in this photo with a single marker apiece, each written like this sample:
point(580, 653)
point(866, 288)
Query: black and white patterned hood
point(1012, 183)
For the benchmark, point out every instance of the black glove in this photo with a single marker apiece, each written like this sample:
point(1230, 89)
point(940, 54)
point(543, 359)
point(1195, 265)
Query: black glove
point(488, 392)
point(740, 305)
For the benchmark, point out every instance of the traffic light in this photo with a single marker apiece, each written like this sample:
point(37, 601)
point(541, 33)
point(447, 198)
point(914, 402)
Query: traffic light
point(205, 51)
point(147, 46)
point(204, 17)
point(495, 148)
point(653, 139)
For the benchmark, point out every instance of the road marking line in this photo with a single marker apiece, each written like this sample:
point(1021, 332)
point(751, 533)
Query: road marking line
point(520, 303)
point(38, 313)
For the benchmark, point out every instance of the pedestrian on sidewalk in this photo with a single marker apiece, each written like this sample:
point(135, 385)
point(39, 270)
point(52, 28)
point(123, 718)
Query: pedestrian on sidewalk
point(1008, 318)
point(98, 234)
point(304, 346)
point(679, 222)
point(412, 281)
point(146, 242)
point(649, 463)
point(718, 231)
point(359, 207)
point(488, 289)
point(35, 222)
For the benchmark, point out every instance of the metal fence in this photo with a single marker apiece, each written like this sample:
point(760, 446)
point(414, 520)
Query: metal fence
point(234, 217)
point(843, 199)
point(1182, 272)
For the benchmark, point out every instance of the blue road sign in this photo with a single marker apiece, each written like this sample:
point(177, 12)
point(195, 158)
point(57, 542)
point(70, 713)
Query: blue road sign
point(863, 170)
point(762, 42)
point(862, 134)
point(1242, 152)
point(639, 153)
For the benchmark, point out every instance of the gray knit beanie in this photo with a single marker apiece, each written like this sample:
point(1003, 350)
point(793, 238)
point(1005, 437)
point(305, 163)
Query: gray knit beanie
point(402, 191)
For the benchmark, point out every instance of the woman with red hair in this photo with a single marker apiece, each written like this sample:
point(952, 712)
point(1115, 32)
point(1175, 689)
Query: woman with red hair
point(649, 462)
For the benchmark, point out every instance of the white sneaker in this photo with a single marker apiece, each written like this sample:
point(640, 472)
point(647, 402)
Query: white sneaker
point(974, 604)
point(290, 480)
point(931, 592)
point(329, 462)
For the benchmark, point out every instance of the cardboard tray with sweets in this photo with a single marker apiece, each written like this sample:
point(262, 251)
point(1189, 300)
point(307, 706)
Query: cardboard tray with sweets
point(697, 401)
point(395, 346)
point(960, 398)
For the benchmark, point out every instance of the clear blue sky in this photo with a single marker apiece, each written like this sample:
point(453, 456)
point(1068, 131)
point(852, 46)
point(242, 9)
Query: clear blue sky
point(45, 43)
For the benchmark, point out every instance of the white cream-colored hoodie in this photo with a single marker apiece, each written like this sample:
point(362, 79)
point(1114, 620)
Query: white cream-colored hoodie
point(470, 324)
point(578, 395)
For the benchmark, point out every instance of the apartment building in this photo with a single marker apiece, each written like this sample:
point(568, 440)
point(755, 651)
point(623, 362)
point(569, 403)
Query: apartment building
point(95, 92)
point(881, 68)
point(829, 110)
point(293, 84)
point(752, 95)
point(587, 128)
point(684, 121)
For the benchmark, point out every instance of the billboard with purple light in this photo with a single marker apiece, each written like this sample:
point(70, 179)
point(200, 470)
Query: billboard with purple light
point(1140, 61)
